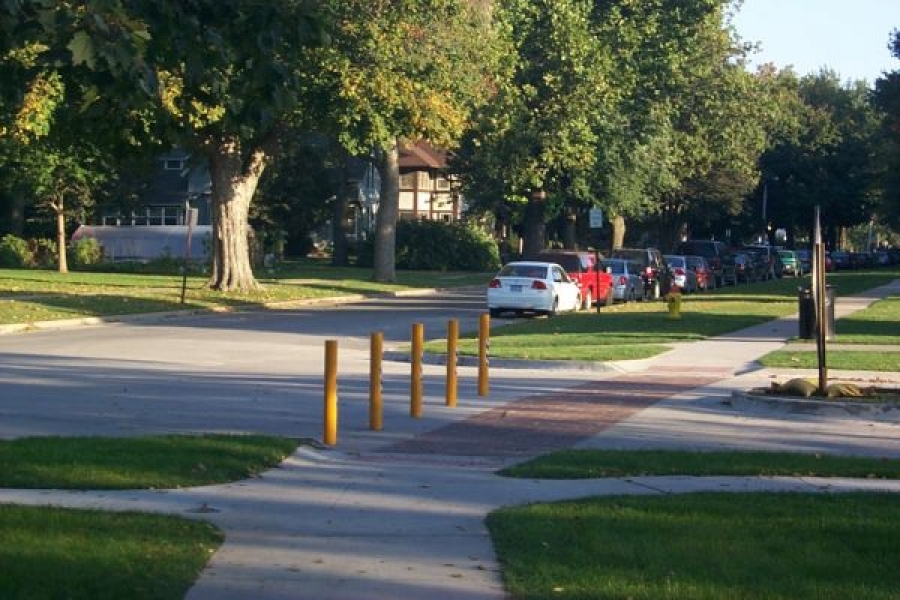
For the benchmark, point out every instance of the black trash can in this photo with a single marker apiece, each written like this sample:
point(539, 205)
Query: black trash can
point(807, 310)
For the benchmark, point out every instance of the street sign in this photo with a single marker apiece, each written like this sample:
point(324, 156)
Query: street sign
point(596, 218)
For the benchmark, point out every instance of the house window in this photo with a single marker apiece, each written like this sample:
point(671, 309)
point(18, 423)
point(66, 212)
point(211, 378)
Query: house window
point(173, 164)
point(407, 181)
point(443, 183)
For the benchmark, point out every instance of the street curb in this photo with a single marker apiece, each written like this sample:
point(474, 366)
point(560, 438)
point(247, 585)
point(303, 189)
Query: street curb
point(809, 405)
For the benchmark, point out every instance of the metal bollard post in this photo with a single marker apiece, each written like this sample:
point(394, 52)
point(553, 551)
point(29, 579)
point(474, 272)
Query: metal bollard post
point(376, 411)
point(484, 333)
point(415, 400)
point(452, 340)
point(329, 438)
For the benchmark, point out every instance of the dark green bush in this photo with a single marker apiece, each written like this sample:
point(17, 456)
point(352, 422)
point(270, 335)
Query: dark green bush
point(438, 246)
point(44, 252)
point(86, 251)
point(15, 252)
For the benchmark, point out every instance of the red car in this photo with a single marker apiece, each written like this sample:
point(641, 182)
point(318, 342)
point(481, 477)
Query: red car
point(706, 278)
point(596, 284)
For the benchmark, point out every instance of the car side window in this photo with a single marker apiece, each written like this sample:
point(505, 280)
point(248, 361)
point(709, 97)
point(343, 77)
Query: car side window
point(558, 275)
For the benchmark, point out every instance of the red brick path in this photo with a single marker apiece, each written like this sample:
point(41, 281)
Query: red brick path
point(539, 424)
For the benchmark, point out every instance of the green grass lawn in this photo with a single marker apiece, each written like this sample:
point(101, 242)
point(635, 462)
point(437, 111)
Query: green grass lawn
point(879, 324)
point(587, 464)
point(849, 360)
point(703, 546)
point(88, 555)
point(641, 329)
point(91, 555)
point(27, 296)
point(171, 461)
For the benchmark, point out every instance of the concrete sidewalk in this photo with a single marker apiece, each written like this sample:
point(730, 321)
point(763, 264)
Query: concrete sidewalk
point(402, 516)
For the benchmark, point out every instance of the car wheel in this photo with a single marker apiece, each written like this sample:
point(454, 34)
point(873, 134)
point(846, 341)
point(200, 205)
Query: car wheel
point(554, 308)
point(587, 300)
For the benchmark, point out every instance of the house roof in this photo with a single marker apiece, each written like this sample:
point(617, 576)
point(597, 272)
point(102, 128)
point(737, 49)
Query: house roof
point(422, 155)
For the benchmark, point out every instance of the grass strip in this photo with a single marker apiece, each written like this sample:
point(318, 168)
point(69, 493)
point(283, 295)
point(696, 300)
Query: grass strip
point(587, 464)
point(30, 295)
point(153, 462)
point(844, 360)
point(706, 546)
point(93, 555)
point(877, 324)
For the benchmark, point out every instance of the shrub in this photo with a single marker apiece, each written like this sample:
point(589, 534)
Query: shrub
point(44, 252)
point(438, 246)
point(86, 251)
point(15, 253)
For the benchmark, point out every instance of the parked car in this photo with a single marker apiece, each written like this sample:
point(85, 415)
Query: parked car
point(805, 257)
point(840, 260)
point(654, 270)
point(715, 253)
point(626, 277)
point(862, 260)
point(806, 260)
point(581, 266)
point(682, 274)
point(791, 264)
point(767, 255)
point(706, 279)
point(532, 286)
point(743, 267)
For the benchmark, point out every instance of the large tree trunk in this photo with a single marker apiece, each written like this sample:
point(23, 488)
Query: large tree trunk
point(618, 232)
point(234, 181)
point(61, 236)
point(388, 213)
point(534, 229)
point(570, 230)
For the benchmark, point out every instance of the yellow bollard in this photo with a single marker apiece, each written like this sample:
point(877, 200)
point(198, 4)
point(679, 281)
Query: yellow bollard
point(674, 302)
point(376, 411)
point(484, 334)
point(329, 438)
point(418, 341)
point(452, 339)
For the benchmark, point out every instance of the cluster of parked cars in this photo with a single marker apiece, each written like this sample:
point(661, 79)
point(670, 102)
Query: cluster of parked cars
point(565, 280)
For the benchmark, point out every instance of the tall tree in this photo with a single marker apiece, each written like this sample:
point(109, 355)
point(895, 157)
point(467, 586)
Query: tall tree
point(402, 71)
point(588, 117)
point(887, 98)
point(828, 161)
point(222, 81)
point(230, 79)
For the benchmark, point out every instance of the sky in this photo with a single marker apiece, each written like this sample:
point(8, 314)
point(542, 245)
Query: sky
point(848, 36)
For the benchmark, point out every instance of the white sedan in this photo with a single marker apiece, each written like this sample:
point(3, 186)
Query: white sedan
point(540, 287)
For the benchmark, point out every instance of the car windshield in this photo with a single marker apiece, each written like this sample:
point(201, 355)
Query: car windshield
point(616, 266)
point(524, 270)
point(570, 262)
